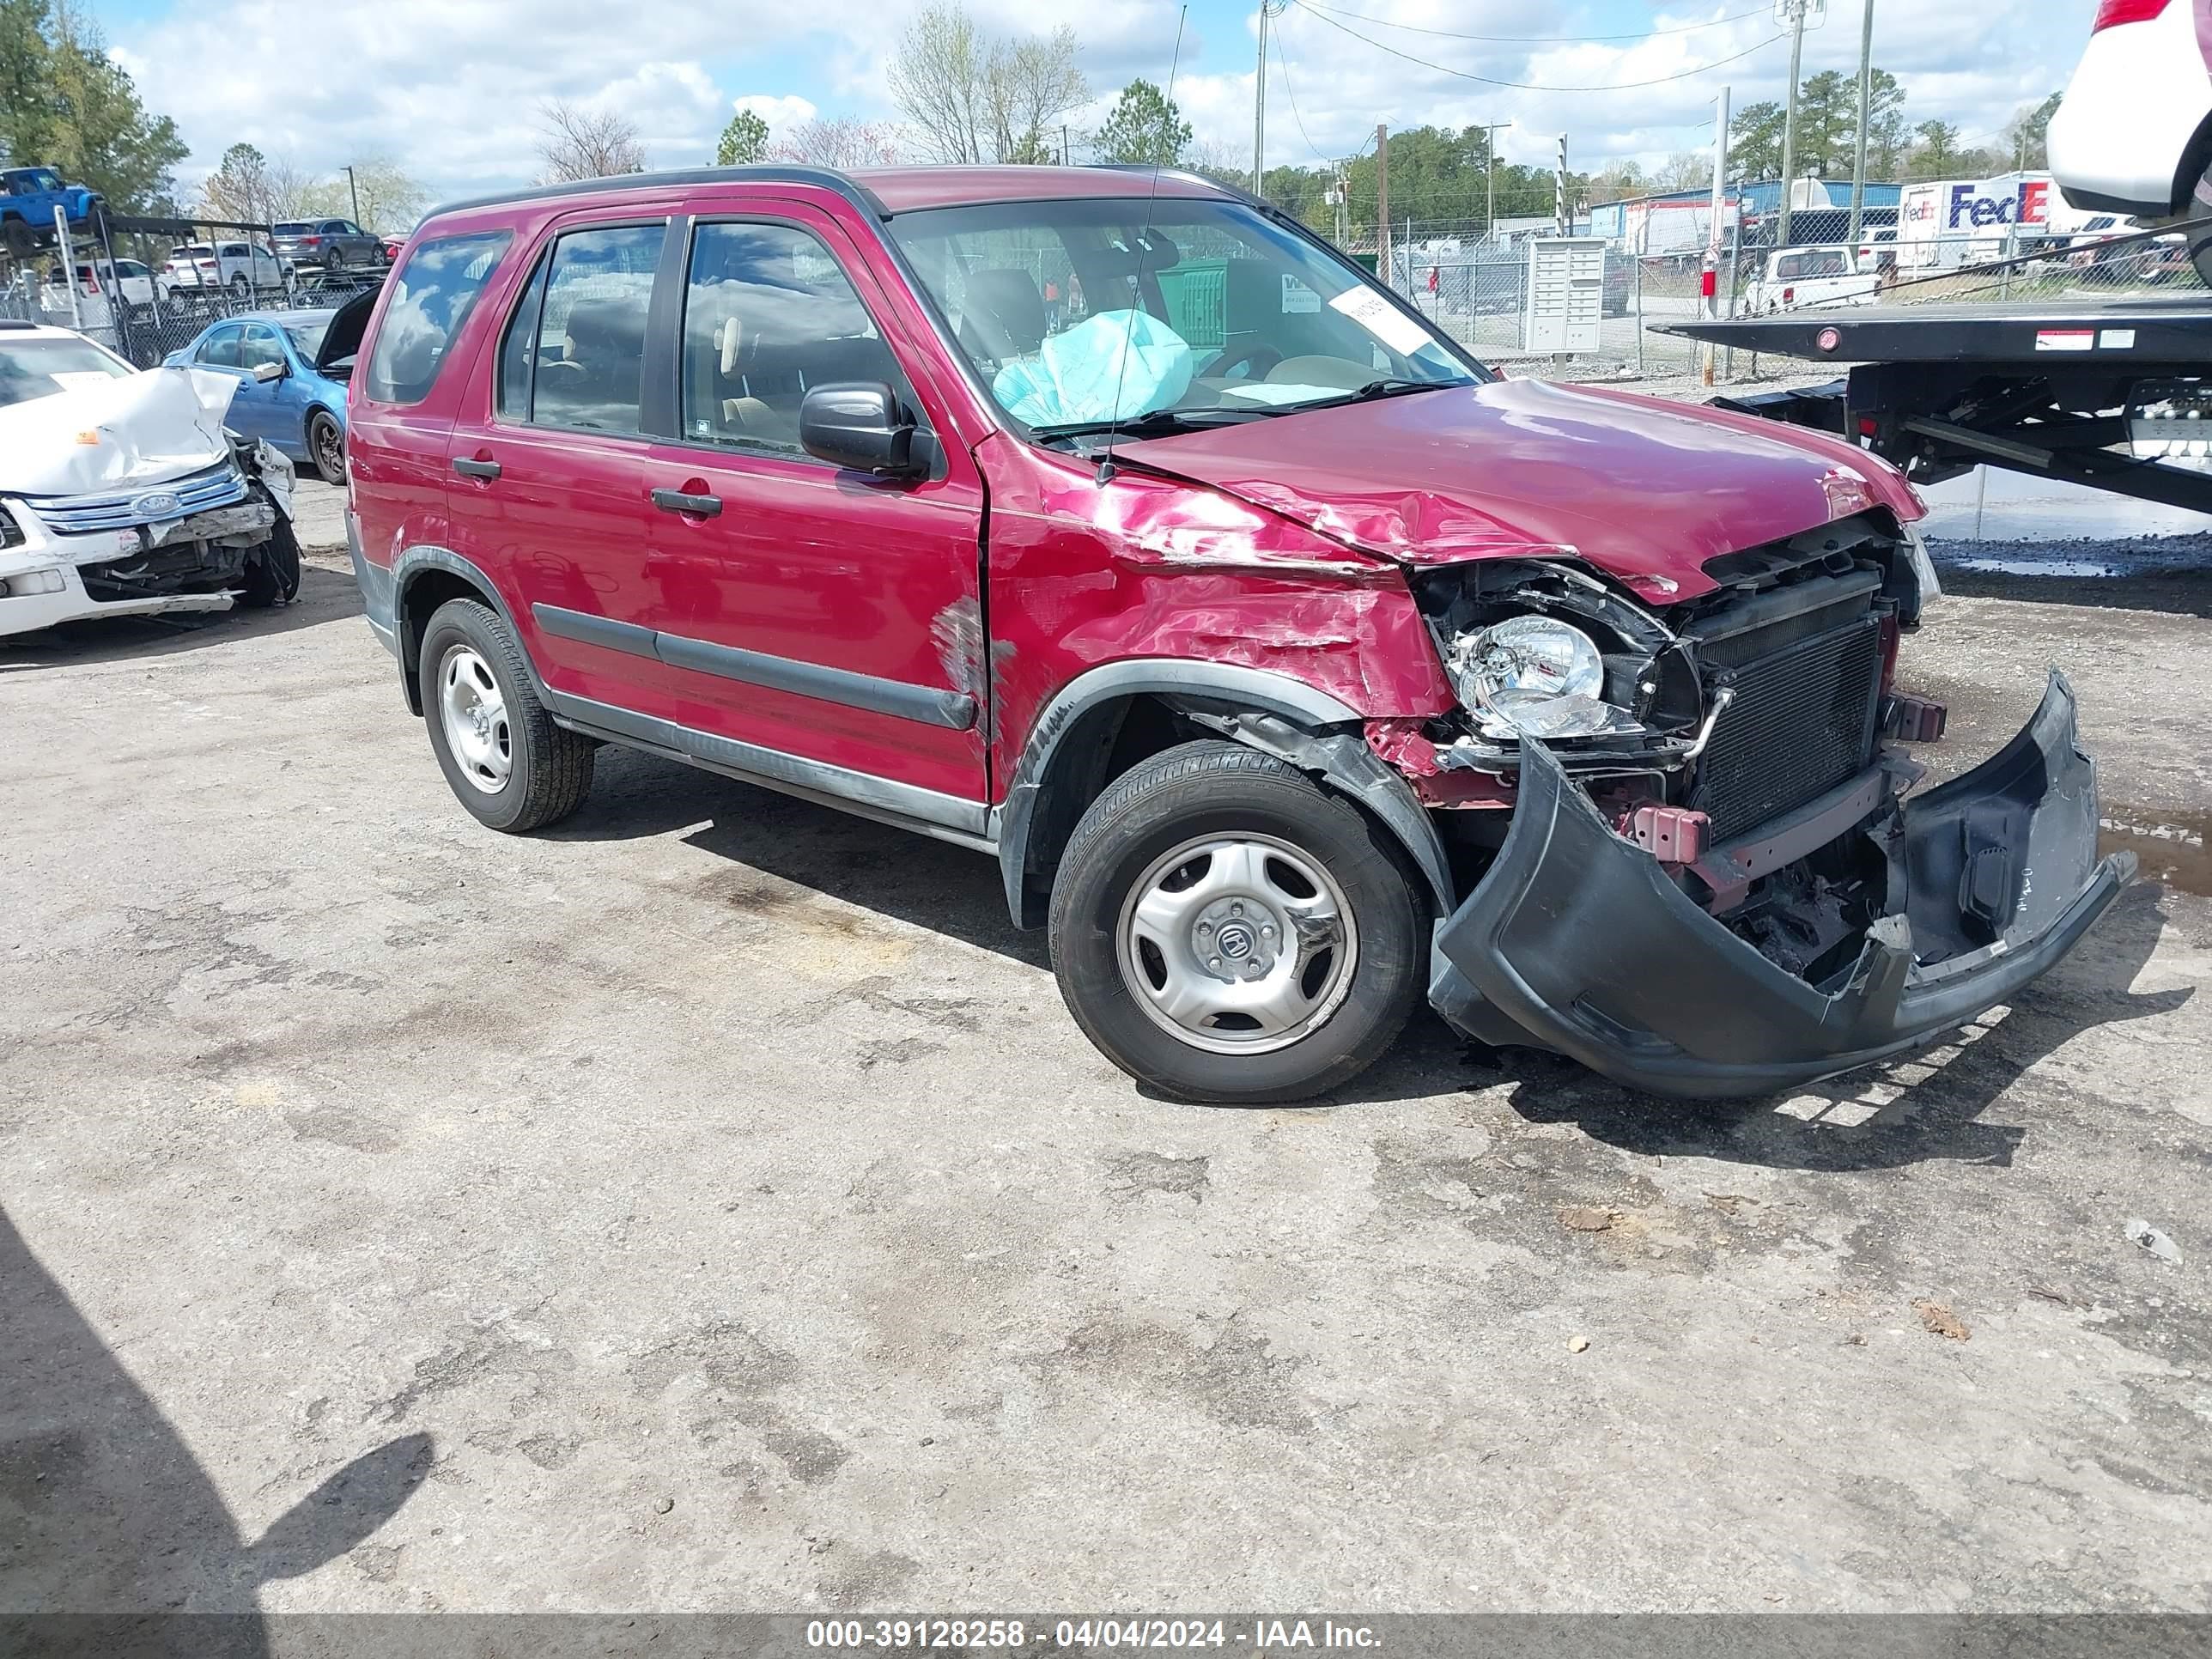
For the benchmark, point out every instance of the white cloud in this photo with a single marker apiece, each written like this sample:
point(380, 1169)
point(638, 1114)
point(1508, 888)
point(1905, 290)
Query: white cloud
point(779, 113)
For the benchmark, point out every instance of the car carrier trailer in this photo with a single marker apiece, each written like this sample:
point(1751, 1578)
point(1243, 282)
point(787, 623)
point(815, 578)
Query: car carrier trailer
point(2064, 387)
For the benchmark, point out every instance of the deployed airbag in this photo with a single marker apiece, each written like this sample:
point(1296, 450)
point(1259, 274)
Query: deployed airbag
point(1114, 367)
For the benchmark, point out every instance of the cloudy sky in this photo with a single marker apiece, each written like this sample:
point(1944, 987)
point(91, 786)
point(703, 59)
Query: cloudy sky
point(450, 89)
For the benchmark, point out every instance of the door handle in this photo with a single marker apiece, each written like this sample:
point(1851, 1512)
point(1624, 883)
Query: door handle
point(675, 500)
point(469, 469)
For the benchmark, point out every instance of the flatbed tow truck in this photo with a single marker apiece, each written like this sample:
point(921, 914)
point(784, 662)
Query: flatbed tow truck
point(2092, 391)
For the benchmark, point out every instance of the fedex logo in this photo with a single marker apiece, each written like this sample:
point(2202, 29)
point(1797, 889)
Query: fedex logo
point(1969, 206)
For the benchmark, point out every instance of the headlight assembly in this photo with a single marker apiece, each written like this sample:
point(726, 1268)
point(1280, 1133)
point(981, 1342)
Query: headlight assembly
point(1535, 677)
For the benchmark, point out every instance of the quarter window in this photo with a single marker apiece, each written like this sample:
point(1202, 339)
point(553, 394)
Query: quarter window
point(589, 369)
point(432, 296)
point(768, 312)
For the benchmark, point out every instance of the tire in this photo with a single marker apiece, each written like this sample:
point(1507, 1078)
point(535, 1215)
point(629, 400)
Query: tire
point(241, 285)
point(1353, 997)
point(548, 769)
point(326, 447)
point(22, 241)
point(272, 572)
point(335, 260)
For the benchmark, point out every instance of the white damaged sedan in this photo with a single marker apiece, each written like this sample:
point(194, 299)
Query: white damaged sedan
point(121, 493)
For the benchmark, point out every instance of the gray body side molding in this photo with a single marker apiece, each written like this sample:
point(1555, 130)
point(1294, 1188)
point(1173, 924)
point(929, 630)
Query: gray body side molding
point(1270, 712)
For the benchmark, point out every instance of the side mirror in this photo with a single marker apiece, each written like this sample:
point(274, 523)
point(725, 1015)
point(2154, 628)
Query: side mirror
point(860, 424)
point(266, 372)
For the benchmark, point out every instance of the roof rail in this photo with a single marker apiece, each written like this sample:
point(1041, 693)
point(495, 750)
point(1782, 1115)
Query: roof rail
point(826, 178)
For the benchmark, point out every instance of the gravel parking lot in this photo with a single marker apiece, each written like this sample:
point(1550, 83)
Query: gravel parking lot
point(709, 1204)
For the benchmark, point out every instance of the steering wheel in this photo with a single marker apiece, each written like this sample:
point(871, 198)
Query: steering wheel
point(1256, 357)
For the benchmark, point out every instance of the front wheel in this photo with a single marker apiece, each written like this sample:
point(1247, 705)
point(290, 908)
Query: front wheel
point(1225, 930)
point(241, 287)
point(506, 761)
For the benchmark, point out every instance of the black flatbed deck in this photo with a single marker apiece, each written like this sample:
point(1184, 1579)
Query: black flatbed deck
point(2048, 386)
point(2158, 328)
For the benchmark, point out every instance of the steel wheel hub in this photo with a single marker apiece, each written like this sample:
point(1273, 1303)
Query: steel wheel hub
point(1237, 944)
point(473, 714)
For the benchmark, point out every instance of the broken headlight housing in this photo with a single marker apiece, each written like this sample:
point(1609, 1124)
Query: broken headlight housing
point(1535, 677)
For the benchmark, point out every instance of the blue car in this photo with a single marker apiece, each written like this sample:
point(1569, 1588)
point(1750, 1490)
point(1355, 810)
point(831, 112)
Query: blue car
point(287, 392)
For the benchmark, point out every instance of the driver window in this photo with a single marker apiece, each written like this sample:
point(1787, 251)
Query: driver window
point(768, 312)
point(220, 349)
point(260, 346)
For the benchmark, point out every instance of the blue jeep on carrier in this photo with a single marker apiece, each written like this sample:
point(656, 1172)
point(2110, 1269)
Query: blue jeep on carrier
point(28, 197)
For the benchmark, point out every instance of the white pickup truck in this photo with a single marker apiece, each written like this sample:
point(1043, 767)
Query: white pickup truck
point(1796, 277)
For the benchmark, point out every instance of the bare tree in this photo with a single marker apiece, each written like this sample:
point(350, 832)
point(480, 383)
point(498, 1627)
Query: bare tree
point(250, 189)
point(977, 101)
point(389, 199)
point(1031, 84)
point(842, 142)
point(577, 144)
point(1685, 169)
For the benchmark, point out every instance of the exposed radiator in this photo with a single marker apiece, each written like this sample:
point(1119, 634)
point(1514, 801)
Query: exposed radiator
point(1802, 720)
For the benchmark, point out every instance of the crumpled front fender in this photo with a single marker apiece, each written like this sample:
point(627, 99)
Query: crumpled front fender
point(1578, 941)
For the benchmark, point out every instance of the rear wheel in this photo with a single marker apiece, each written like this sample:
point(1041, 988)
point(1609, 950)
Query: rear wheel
point(22, 241)
point(1225, 930)
point(506, 760)
point(337, 260)
point(241, 287)
point(327, 443)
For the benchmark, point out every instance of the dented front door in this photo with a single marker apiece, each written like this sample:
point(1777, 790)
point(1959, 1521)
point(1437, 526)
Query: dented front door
point(819, 612)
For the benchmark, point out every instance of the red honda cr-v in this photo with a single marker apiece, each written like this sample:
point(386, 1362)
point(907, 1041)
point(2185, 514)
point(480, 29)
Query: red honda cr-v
point(1292, 664)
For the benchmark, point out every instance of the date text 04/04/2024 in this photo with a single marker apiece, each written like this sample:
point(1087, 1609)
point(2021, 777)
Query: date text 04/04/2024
point(1258, 1635)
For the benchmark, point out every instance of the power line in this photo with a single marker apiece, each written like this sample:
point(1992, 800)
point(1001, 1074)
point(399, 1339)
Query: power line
point(1545, 39)
point(1290, 92)
point(1531, 86)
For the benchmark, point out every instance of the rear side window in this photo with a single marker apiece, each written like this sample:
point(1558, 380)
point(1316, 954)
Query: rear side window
point(431, 297)
point(590, 360)
point(220, 349)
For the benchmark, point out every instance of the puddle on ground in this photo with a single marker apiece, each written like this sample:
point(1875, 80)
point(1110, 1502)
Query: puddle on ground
point(2037, 567)
point(2169, 846)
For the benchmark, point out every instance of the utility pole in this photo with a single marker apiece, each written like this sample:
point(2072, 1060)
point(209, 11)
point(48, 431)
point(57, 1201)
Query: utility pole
point(1063, 143)
point(1489, 175)
point(354, 190)
point(1709, 283)
point(1559, 211)
point(1343, 203)
point(1866, 109)
point(1268, 9)
point(1795, 9)
point(1383, 202)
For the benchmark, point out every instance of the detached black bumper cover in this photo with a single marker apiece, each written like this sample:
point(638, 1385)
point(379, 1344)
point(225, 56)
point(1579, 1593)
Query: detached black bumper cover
point(1578, 938)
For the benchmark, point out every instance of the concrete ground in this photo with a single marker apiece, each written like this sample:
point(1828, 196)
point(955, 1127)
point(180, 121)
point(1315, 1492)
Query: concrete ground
point(709, 1203)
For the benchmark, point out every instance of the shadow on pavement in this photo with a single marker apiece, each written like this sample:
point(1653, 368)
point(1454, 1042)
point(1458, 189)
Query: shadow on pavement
point(104, 1510)
point(893, 872)
point(325, 596)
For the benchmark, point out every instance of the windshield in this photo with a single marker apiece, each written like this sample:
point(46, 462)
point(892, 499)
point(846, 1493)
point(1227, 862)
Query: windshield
point(289, 229)
point(1079, 314)
point(39, 368)
point(308, 333)
point(195, 251)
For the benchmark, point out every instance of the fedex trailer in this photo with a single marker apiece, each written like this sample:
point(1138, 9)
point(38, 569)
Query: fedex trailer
point(1960, 222)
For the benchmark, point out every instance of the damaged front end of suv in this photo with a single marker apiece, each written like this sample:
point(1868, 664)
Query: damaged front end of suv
point(1693, 862)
